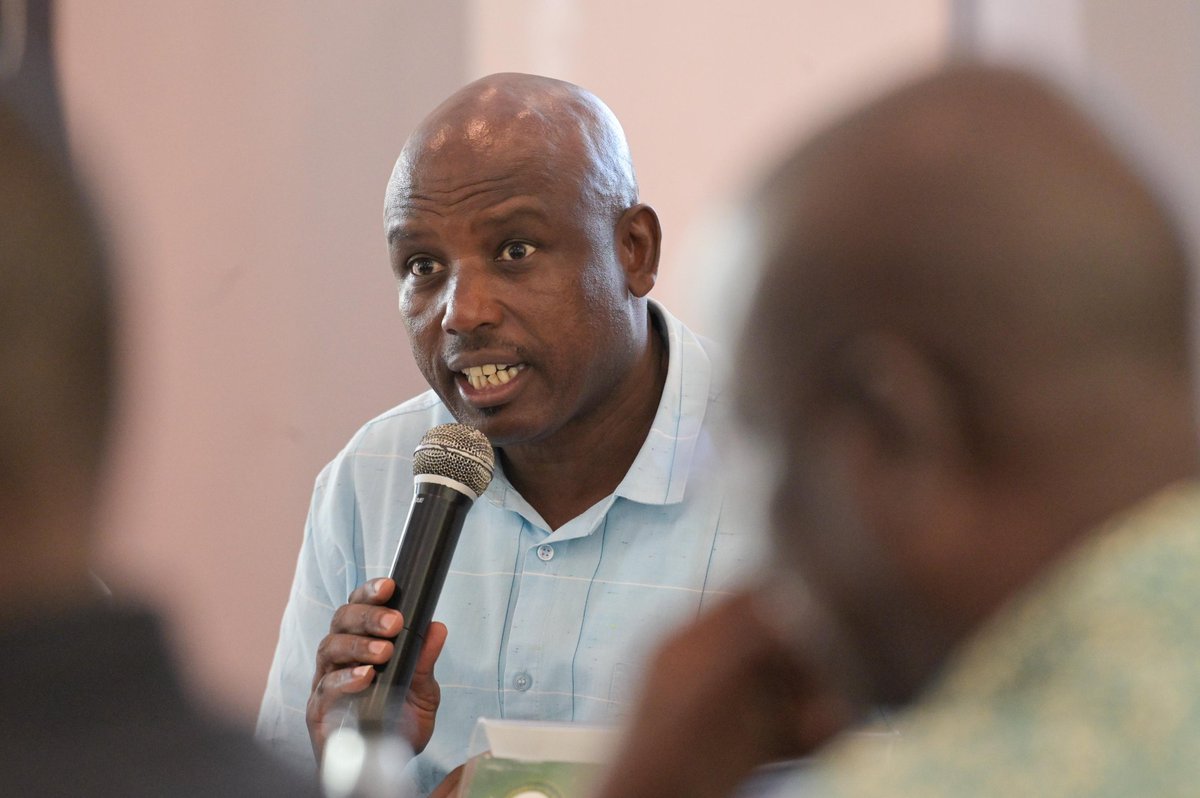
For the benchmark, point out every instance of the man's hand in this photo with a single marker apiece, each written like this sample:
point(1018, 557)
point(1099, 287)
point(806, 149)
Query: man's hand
point(723, 696)
point(359, 637)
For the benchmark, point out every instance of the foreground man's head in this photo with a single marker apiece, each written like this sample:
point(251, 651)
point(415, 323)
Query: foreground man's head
point(969, 354)
point(970, 345)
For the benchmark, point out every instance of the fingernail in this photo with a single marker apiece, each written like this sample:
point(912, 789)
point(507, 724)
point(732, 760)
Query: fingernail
point(361, 670)
point(376, 646)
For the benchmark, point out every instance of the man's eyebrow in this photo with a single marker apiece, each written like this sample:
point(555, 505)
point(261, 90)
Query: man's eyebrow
point(398, 231)
point(507, 213)
point(503, 214)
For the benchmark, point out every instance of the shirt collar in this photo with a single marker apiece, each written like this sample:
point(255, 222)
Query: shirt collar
point(659, 472)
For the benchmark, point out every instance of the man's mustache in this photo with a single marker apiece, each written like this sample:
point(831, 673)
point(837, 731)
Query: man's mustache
point(476, 342)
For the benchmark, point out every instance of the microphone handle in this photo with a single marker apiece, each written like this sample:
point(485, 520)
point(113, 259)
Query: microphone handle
point(431, 532)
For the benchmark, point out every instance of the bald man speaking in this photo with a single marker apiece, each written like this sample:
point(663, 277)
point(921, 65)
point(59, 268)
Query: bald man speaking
point(523, 258)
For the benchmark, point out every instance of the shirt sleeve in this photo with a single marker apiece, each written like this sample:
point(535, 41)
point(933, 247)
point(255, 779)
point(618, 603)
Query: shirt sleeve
point(325, 574)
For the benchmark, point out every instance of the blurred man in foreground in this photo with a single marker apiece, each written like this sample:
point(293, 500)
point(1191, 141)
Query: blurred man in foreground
point(970, 348)
point(89, 703)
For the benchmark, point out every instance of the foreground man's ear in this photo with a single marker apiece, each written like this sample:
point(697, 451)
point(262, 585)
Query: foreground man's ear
point(910, 406)
point(900, 422)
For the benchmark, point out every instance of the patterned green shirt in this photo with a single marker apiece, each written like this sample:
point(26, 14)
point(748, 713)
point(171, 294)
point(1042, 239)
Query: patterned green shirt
point(1088, 684)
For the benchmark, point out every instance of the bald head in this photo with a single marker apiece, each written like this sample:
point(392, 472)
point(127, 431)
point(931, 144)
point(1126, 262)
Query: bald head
point(970, 346)
point(523, 122)
point(980, 216)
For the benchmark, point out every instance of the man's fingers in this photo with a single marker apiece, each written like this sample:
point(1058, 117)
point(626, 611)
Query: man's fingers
point(333, 688)
point(354, 644)
point(435, 639)
point(366, 619)
point(356, 629)
point(328, 693)
point(373, 591)
point(341, 650)
point(345, 681)
point(424, 694)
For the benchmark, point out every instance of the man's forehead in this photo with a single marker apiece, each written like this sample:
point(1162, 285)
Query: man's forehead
point(484, 163)
point(482, 138)
point(414, 218)
point(514, 134)
point(447, 177)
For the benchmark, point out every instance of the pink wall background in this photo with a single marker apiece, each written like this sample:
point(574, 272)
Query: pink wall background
point(241, 150)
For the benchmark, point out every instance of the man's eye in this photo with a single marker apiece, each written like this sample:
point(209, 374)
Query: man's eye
point(422, 265)
point(516, 250)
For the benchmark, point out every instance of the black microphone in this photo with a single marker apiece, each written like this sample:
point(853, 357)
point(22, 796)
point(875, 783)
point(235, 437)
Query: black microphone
point(452, 466)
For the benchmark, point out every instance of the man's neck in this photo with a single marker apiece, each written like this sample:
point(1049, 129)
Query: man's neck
point(1075, 485)
point(562, 477)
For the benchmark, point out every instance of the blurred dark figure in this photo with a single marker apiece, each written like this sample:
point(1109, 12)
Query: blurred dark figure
point(89, 704)
point(28, 77)
point(970, 350)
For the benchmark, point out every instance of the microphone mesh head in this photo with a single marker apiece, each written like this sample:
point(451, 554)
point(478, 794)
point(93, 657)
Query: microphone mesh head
point(458, 452)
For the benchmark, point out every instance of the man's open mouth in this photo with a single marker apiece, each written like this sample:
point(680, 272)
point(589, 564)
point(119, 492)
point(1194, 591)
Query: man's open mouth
point(491, 374)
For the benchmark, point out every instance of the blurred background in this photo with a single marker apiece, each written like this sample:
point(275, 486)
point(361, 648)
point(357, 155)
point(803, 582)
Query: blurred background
point(240, 151)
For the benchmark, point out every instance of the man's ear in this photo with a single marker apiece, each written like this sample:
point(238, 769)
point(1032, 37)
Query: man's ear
point(908, 447)
point(638, 239)
point(910, 408)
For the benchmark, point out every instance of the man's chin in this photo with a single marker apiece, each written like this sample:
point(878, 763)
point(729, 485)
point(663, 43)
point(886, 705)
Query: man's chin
point(498, 422)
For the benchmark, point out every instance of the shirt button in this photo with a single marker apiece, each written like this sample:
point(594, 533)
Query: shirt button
point(522, 681)
point(545, 552)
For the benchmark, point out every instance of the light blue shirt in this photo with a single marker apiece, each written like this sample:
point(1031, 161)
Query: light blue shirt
point(542, 625)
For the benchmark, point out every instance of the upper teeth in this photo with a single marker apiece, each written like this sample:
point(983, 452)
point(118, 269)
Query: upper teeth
point(490, 374)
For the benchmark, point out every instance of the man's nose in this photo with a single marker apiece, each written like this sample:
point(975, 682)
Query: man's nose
point(471, 301)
